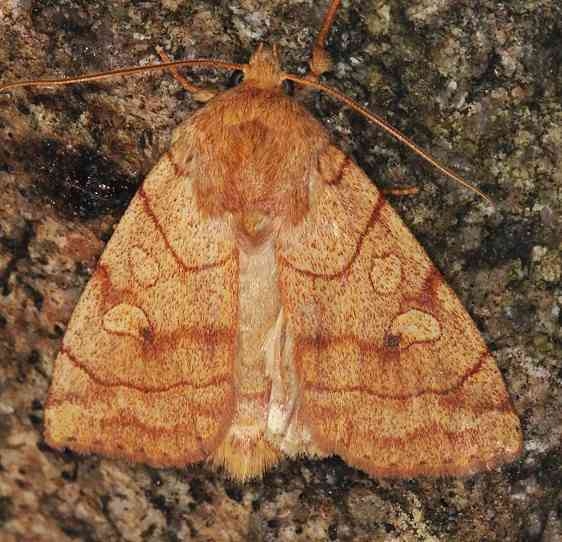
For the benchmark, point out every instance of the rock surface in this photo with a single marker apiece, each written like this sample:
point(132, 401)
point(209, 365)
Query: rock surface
point(479, 84)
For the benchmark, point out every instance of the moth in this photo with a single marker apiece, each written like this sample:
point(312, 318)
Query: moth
point(261, 299)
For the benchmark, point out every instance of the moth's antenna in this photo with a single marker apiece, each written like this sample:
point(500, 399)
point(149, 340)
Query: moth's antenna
point(321, 61)
point(195, 62)
point(388, 128)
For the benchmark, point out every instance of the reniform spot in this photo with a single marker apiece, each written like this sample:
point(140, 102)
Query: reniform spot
point(125, 319)
point(415, 326)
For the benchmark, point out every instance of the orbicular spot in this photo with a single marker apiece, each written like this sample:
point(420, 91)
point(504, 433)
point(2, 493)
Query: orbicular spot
point(413, 326)
point(143, 267)
point(386, 274)
point(125, 319)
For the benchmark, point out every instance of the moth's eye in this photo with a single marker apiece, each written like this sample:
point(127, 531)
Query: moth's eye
point(236, 78)
point(289, 87)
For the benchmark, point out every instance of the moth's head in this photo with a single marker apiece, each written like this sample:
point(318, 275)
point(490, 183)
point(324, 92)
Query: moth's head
point(264, 69)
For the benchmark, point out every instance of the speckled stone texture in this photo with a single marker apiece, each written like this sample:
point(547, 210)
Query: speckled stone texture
point(478, 83)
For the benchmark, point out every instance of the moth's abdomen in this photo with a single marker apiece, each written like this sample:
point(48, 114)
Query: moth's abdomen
point(245, 452)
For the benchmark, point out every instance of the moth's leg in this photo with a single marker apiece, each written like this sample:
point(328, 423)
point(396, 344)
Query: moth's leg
point(321, 61)
point(198, 94)
point(405, 191)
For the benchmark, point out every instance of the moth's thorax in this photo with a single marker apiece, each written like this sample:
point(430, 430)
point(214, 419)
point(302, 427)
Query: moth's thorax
point(251, 152)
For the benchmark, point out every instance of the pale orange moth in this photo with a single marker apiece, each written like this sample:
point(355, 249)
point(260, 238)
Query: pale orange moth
point(261, 299)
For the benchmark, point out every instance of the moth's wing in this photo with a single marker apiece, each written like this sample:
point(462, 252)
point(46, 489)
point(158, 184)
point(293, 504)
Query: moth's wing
point(146, 367)
point(394, 376)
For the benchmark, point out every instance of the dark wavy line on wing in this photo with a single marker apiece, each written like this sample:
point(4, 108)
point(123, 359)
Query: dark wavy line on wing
point(191, 269)
point(79, 364)
point(361, 388)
